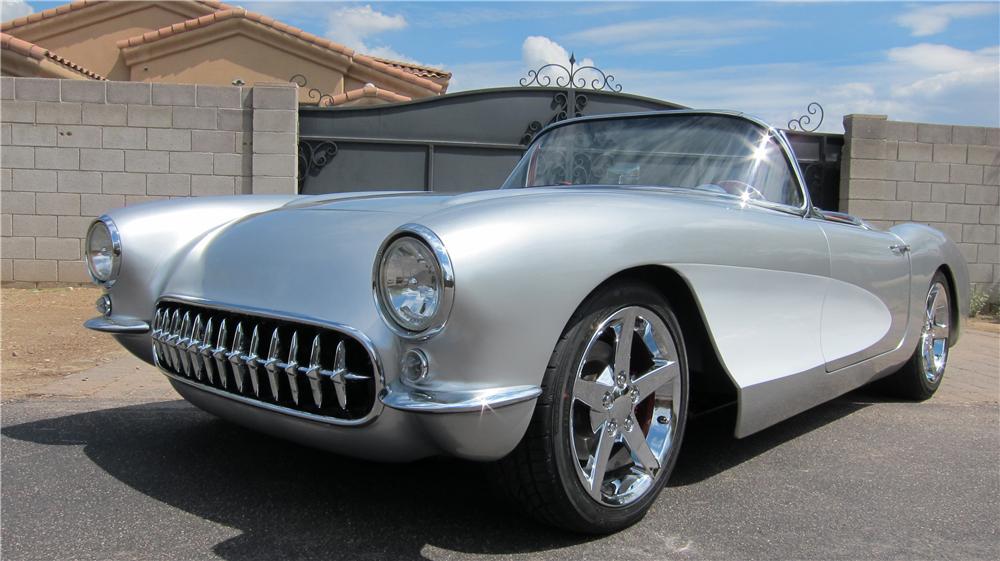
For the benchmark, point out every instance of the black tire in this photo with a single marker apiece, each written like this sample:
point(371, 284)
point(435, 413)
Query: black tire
point(911, 381)
point(539, 476)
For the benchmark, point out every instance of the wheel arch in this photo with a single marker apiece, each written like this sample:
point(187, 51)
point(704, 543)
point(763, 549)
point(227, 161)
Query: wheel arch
point(953, 302)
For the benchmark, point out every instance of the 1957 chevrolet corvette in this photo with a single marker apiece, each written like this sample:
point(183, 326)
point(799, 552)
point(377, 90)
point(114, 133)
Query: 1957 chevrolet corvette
point(632, 270)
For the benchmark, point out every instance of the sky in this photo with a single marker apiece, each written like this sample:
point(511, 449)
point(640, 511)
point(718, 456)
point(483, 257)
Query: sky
point(914, 61)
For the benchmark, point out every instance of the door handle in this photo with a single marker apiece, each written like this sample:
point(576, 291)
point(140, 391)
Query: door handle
point(899, 248)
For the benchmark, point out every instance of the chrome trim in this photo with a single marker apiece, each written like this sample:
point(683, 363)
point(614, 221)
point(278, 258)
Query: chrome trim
point(120, 326)
point(935, 333)
point(116, 248)
point(416, 400)
point(271, 364)
point(428, 237)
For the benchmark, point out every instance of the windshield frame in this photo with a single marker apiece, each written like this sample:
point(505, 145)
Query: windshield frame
point(778, 135)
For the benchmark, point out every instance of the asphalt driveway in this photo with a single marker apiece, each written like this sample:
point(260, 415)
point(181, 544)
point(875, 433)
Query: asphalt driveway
point(140, 477)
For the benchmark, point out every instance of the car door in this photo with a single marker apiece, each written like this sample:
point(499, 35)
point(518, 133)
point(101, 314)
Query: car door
point(866, 308)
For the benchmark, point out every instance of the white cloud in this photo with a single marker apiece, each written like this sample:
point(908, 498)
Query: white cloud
point(11, 9)
point(538, 51)
point(680, 35)
point(930, 20)
point(356, 26)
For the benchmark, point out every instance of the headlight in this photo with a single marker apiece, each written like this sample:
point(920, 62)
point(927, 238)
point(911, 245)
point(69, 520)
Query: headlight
point(414, 283)
point(104, 251)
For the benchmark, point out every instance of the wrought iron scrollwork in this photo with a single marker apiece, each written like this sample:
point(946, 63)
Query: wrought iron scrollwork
point(571, 77)
point(803, 122)
point(313, 156)
point(311, 93)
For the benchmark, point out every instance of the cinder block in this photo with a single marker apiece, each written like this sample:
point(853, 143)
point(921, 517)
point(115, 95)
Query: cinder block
point(275, 97)
point(195, 118)
point(285, 143)
point(96, 205)
point(57, 248)
point(953, 231)
point(35, 270)
point(929, 212)
point(968, 135)
point(57, 158)
point(865, 148)
point(18, 111)
point(901, 131)
point(856, 126)
point(277, 121)
point(79, 136)
point(6, 270)
point(129, 92)
point(124, 184)
point(33, 135)
point(5, 180)
point(219, 96)
point(980, 272)
point(171, 184)
point(17, 157)
point(984, 155)
point(149, 116)
point(35, 180)
point(6, 87)
point(92, 91)
point(881, 210)
point(73, 226)
point(5, 134)
point(37, 89)
point(178, 140)
point(948, 193)
point(33, 225)
point(173, 94)
point(931, 172)
point(213, 141)
point(99, 114)
point(991, 175)
point(73, 271)
point(132, 200)
point(125, 137)
point(989, 214)
point(899, 171)
point(970, 251)
point(143, 161)
point(275, 186)
point(202, 185)
point(873, 189)
point(79, 182)
point(859, 169)
point(235, 120)
point(102, 160)
point(191, 162)
point(911, 191)
point(6, 225)
point(989, 253)
point(274, 165)
point(982, 194)
point(66, 204)
point(963, 214)
point(244, 142)
point(979, 233)
point(915, 152)
point(18, 248)
point(14, 202)
point(993, 137)
point(935, 134)
point(59, 113)
point(964, 173)
point(950, 153)
point(232, 164)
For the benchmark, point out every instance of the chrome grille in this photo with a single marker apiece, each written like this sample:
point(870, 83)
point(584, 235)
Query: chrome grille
point(302, 368)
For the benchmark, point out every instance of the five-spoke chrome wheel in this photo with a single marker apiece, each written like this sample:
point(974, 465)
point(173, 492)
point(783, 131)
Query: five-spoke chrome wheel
point(626, 402)
point(935, 332)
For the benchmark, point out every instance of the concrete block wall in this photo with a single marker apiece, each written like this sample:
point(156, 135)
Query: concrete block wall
point(942, 175)
point(72, 150)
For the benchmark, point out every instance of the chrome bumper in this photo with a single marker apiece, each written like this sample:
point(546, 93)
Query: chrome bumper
point(423, 400)
point(117, 326)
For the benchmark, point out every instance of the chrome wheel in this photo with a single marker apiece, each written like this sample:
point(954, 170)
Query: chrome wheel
point(934, 336)
point(626, 399)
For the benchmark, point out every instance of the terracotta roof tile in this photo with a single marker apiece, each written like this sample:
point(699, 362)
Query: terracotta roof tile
point(415, 69)
point(402, 71)
point(79, 4)
point(22, 47)
point(368, 90)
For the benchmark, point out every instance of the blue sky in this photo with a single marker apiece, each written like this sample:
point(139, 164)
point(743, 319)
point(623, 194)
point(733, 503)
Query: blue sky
point(936, 62)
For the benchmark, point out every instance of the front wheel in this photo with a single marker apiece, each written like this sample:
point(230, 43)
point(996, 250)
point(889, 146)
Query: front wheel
point(608, 426)
point(921, 376)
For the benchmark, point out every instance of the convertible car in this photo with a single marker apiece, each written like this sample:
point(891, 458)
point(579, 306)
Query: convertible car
point(632, 271)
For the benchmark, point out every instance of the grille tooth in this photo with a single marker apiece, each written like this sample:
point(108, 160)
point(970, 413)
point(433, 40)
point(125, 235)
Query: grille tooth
point(235, 357)
point(272, 365)
point(292, 367)
point(219, 353)
point(219, 350)
point(206, 352)
point(251, 360)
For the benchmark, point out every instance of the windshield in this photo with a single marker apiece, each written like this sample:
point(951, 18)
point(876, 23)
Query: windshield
point(711, 153)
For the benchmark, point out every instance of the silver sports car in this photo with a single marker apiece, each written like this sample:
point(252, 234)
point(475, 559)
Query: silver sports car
point(632, 271)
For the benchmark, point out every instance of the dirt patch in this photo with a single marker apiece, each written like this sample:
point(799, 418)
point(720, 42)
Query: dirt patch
point(42, 337)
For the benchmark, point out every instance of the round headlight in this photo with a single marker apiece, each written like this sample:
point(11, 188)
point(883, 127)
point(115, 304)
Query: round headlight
point(104, 251)
point(414, 284)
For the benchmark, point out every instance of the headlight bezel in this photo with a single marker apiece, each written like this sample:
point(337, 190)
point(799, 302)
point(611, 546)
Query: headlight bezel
point(116, 251)
point(426, 237)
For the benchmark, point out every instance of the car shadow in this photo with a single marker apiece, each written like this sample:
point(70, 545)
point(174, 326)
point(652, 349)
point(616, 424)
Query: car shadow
point(293, 502)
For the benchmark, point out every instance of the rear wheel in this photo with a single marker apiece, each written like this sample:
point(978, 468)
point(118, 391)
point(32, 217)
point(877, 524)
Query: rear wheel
point(921, 376)
point(607, 429)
